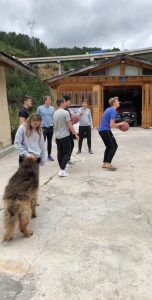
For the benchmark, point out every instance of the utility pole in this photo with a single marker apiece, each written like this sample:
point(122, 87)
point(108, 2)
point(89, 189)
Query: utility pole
point(31, 25)
point(122, 45)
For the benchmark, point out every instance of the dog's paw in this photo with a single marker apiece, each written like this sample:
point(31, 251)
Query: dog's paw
point(7, 238)
point(34, 215)
point(28, 233)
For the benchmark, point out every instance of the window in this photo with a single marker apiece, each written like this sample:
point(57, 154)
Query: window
point(146, 72)
point(78, 96)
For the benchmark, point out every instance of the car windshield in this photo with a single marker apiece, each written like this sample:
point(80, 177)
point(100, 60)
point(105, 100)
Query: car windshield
point(126, 104)
point(126, 107)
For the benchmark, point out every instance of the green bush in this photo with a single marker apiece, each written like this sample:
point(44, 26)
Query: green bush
point(18, 85)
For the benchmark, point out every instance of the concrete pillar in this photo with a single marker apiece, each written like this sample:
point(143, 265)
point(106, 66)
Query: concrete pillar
point(5, 131)
point(60, 67)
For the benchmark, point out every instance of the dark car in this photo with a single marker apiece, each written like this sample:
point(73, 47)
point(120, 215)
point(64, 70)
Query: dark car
point(74, 108)
point(127, 112)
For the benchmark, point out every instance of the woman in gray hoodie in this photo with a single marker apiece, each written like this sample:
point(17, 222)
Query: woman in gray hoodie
point(29, 141)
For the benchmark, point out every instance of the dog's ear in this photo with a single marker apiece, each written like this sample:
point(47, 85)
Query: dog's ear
point(31, 158)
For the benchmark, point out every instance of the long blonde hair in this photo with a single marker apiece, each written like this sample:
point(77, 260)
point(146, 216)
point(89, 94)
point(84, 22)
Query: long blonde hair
point(33, 117)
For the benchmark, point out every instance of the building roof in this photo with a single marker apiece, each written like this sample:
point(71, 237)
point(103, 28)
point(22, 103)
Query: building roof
point(11, 62)
point(101, 65)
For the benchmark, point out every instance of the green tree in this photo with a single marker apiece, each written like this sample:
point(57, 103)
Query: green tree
point(18, 85)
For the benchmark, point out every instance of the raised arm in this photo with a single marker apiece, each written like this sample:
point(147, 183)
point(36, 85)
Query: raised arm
point(70, 126)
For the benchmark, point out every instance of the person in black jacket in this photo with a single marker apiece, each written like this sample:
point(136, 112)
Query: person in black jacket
point(24, 111)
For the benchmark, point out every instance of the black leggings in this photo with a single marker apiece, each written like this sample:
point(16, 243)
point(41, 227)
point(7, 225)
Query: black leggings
point(110, 143)
point(82, 131)
point(48, 134)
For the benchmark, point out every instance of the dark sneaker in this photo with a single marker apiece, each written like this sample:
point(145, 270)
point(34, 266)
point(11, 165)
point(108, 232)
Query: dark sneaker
point(90, 151)
point(78, 152)
point(50, 158)
point(111, 168)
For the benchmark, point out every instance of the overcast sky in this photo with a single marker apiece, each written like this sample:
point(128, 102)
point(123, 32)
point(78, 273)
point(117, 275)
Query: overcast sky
point(126, 24)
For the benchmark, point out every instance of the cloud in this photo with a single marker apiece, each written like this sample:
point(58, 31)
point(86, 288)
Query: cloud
point(71, 23)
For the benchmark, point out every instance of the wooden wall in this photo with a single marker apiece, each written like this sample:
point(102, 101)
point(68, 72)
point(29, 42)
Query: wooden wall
point(95, 85)
point(146, 105)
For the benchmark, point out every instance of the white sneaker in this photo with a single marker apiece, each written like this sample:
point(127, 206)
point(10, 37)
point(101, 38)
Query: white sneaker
point(63, 173)
point(60, 173)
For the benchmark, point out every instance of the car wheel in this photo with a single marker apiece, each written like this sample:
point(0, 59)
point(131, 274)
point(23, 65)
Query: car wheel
point(135, 123)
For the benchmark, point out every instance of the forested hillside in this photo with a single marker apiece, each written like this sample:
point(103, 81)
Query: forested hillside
point(19, 84)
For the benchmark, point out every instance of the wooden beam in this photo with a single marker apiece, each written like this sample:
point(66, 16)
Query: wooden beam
point(146, 106)
point(122, 68)
point(93, 80)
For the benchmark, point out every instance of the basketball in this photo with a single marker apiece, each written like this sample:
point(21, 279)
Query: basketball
point(124, 127)
point(75, 118)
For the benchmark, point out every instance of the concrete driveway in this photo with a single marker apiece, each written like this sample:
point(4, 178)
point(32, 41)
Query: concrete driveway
point(93, 234)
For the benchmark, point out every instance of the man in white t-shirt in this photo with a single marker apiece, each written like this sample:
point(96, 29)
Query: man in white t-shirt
point(62, 127)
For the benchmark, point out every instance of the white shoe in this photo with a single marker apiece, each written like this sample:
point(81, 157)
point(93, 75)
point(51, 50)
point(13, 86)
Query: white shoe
point(60, 173)
point(63, 173)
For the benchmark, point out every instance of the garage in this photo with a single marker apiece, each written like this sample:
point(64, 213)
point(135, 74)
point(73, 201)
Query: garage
point(130, 98)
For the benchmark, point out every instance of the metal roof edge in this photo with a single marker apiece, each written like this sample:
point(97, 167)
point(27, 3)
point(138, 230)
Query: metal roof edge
point(14, 62)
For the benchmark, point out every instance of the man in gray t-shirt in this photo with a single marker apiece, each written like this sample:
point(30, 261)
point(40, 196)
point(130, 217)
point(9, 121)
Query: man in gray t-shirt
point(62, 126)
point(60, 119)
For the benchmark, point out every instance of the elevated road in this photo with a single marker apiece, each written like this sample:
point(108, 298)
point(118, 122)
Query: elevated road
point(87, 56)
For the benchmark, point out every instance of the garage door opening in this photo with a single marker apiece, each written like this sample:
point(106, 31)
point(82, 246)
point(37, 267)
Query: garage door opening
point(130, 98)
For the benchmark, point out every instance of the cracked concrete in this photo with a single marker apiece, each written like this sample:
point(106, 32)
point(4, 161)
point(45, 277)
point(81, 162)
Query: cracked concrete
point(93, 234)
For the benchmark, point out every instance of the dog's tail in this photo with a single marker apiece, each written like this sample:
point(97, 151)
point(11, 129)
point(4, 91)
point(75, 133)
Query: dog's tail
point(10, 220)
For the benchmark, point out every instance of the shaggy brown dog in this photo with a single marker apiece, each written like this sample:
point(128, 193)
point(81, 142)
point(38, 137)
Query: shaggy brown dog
point(20, 199)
